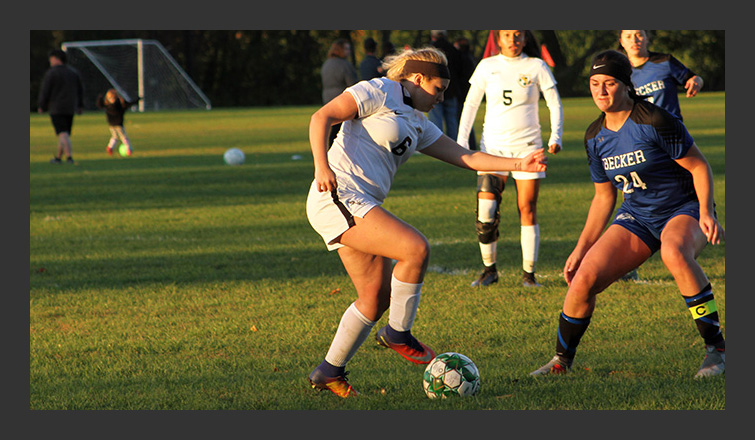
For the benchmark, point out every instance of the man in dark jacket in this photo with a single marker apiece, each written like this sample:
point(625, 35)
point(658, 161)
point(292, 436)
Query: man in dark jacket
point(447, 111)
point(61, 95)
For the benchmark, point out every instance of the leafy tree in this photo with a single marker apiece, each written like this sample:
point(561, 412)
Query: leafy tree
point(282, 67)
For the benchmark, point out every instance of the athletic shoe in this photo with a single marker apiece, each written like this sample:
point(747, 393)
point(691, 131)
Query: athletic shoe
point(528, 279)
point(714, 362)
point(56, 160)
point(109, 150)
point(488, 277)
point(555, 366)
point(70, 160)
point(338, 385)
point(413, 351)
point(631, 276)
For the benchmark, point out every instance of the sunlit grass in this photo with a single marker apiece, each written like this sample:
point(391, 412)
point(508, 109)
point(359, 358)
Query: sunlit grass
point(168, 280)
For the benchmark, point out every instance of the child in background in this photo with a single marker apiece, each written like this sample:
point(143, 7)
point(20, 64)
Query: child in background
point(115, 107)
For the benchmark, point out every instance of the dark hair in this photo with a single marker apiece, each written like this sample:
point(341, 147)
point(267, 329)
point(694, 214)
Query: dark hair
point(531, 48)
point(616, 64)
point(620, 48)
point(463, 44)
point(338, 48)
point(59, 54)
point(370, 45)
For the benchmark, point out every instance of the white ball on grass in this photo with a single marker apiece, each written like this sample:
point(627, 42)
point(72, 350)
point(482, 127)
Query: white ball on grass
point(234, 156)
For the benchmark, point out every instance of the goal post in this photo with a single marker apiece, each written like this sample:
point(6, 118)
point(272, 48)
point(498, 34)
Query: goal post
point(135, 68)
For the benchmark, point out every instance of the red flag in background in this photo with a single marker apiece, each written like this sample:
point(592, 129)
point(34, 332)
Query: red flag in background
point(547, 56)
point(490, 48)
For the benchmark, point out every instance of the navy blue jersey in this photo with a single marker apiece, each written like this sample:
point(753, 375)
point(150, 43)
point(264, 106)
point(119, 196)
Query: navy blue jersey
point(658, 79)
point(639, 159)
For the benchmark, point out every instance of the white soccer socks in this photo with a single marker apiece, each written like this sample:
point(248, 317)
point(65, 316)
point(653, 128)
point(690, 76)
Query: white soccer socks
point(353, 330)
point(530, 240)
point(404, 303)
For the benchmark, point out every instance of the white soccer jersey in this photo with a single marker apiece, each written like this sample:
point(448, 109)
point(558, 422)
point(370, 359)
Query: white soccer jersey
point(385, 134)
point(366, 154)
point(512, 88)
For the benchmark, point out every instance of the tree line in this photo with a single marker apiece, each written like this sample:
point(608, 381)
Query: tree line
point(248, 68)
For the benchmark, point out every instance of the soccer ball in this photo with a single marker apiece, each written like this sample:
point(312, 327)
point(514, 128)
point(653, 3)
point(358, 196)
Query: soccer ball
point(124, 151)
point(234, 156)
point(451, 374)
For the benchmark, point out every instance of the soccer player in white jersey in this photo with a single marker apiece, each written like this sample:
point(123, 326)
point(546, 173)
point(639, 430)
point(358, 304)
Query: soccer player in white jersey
point(511, 83)
point(384, 123)
point(647, 153)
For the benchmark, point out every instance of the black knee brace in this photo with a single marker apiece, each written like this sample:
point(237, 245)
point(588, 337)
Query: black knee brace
point(489, 183)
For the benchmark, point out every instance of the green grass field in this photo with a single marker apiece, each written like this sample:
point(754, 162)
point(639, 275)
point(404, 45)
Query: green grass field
point(169, 280)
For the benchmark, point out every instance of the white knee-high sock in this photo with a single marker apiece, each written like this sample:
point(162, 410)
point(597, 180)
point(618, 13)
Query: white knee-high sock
point(489, 252)
point(404, 303)
point(352, 332)
point(486, 214)
point(530, 238)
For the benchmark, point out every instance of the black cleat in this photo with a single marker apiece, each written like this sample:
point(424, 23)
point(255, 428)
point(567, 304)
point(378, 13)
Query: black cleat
point(488, 277)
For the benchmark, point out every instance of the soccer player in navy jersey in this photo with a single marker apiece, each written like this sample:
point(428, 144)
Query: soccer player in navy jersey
point(656, 76)
point(646, 153)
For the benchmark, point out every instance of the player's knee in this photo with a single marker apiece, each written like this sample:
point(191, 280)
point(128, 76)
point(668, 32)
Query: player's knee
point(489, 189)
point(675, 256)
point(588, 281)
point(418, 250)
point(490, 184)
point(487, 232)
point(527, 211)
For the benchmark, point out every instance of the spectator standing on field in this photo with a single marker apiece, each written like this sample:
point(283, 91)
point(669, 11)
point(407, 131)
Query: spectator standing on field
point(371, 66)
point(115, 107)
point(62, 96)
point(447, 111)
point(468, 64)
point(337, 74)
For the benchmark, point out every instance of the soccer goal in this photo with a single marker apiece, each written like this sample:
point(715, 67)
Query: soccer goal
point(134, 67)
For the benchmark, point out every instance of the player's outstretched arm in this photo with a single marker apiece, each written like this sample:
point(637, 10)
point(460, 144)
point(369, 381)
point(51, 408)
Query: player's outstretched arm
point(447, 150)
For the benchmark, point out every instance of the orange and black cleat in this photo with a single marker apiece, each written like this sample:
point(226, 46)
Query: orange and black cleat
point(413, 351)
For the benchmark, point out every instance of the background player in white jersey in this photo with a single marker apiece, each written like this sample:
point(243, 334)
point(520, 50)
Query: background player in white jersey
point(511, 83)
point(383, 125)
point(644, 151)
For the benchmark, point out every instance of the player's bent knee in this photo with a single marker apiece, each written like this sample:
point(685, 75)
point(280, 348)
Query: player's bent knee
point(417, 250)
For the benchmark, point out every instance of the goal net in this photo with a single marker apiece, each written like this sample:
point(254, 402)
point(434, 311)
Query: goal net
point(135, 68)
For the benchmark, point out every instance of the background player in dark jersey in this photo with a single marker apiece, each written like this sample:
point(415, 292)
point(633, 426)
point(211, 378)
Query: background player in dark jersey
point(656, 76)
point(642, 150)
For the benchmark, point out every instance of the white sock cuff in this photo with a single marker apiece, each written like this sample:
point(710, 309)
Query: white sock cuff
point(398, 283)
point(353, 309)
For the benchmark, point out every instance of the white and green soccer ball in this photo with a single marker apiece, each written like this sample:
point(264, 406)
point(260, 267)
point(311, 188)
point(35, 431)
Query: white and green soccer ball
point(234, 156)
point(451, 374)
